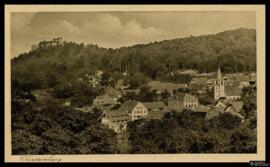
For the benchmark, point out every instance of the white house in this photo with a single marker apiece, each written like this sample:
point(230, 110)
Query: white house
point(135, 109)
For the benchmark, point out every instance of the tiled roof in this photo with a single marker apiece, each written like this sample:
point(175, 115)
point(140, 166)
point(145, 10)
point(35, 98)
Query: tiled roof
point(189, 97)
point(233, 90)
point(184, 96)
point(117, 115)
point(237, 114)
point(214, 112)
point(104, 100)
point(154, 105)
point(217, 110)
point(237, 104)
point(128, 105)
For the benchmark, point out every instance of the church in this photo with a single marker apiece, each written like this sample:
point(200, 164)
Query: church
point(219, 87)
point(221, 92)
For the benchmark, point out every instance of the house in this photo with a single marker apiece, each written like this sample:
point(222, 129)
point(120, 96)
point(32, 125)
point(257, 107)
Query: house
point(198, 84)
point(243, 84)
point(156, 110)
point(233, 110)
point(120, 85)
point(229, 108)
point(165, 86)
point(116, 120)
point(135, 109)
point(235, 105)
point(221, 102)
point(233, 92)
point(214, 112)
point(238, 105)
point(154, 106)
point(183, 101)
point(104, 100)
point(252, 79)
point(115, 94)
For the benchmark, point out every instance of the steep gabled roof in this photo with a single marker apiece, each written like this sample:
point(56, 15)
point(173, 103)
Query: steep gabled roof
point(128, 105)
point(214, 112)
point(154, 105)
point(233, 91)
point(184, 96)
point(190, 97)
point(237, 104)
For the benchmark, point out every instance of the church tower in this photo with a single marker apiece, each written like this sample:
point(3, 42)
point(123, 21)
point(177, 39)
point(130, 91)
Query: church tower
point(219, 88)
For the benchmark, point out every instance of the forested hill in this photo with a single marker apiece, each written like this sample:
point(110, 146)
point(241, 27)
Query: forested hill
point(235, 50)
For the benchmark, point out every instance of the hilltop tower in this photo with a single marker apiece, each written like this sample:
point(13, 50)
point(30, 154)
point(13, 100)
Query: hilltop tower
point(219, 87)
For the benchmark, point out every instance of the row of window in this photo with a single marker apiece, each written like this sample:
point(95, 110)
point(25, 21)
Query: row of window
point(191, 106)
point(139, 112)
point(191, 101)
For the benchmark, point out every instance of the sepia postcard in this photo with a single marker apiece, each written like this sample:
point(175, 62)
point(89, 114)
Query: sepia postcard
point(134, 83)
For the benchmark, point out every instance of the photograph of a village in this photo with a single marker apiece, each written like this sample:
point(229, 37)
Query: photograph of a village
point(133, 82)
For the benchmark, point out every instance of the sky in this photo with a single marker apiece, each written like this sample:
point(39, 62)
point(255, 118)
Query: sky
point(117, 29)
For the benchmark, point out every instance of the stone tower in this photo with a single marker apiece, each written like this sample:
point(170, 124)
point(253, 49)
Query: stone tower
point(219, 87)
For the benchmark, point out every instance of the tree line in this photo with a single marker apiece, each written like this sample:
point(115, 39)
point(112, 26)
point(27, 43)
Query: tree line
point(235, 50)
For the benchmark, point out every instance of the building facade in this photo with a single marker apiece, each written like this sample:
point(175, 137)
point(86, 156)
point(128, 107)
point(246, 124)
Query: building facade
point(116, 120)
point(183, 101)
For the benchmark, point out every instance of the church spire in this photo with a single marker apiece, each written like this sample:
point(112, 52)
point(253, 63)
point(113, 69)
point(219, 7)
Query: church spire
point(219, 73)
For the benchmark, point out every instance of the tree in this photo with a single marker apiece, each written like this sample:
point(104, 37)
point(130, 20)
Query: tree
point(243, 140)
point(106, 79)
point(225, 121)
point(63, 90)
point(146, 95)
point(61, 130)
point(21, 94)
point(136, 80)
point(250, 101)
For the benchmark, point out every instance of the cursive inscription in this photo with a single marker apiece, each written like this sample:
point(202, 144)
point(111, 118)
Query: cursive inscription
point(31, 158)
